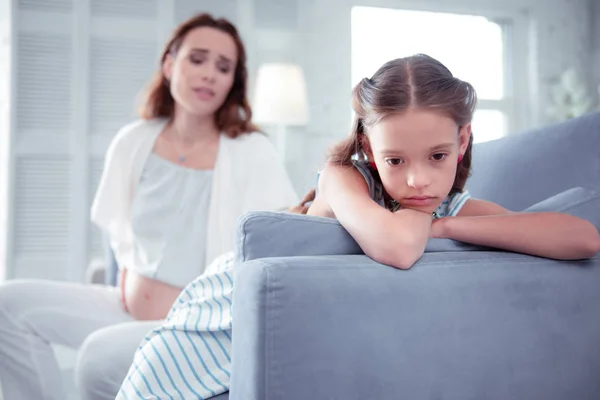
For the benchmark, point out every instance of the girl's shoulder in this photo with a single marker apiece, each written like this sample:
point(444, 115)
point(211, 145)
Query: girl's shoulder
point(371, 177)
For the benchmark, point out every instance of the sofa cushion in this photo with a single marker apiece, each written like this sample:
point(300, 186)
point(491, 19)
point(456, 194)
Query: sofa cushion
point(582, 202)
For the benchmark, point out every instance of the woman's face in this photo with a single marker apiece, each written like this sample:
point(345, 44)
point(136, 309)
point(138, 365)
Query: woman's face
point(202, 72)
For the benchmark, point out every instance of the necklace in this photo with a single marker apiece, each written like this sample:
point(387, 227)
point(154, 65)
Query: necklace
point(181, 157)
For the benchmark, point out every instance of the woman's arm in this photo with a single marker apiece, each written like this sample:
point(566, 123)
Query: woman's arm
point(396, 239)
point(546, 234)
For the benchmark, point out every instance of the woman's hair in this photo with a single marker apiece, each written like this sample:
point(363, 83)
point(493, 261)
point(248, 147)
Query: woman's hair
point(418, 82)
point(234, 117)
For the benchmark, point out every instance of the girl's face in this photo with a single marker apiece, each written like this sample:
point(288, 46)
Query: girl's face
point(416, 154)
point(202, 72)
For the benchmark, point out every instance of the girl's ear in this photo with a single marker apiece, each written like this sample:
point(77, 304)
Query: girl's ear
point(464, 136)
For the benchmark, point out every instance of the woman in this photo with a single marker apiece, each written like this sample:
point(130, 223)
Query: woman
point(173, 186)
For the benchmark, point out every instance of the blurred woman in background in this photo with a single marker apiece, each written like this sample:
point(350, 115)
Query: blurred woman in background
point(173, 186)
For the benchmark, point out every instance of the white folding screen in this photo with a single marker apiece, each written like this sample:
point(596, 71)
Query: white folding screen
point(5, 106)
point(78, 69)
point(124, 47)
point(40, 183)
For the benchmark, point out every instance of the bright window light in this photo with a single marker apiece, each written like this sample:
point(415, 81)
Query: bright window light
point(472, 47)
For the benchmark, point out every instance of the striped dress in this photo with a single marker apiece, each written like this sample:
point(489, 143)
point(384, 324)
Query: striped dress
point(189, 356)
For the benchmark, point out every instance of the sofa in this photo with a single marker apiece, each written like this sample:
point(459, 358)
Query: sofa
point(317, 319)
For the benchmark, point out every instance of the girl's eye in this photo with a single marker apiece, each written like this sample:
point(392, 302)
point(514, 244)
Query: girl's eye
point(439, 156)
point(394, 161)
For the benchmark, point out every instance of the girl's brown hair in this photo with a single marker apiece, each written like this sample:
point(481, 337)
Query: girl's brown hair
point(234, 117)
point(419, 82)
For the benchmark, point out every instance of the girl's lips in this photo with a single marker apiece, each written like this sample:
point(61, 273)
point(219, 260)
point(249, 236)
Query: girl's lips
point(418, 201)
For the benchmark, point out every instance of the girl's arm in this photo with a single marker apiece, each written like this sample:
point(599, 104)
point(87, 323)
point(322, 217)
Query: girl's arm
point(545, 234)
point(396, 239)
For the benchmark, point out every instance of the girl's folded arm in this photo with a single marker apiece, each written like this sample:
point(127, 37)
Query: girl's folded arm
point(396, 239)
point(545, 234)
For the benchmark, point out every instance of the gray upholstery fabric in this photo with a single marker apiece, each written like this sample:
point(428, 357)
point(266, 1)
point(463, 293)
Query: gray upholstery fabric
point(520, 170)
point(478, 325)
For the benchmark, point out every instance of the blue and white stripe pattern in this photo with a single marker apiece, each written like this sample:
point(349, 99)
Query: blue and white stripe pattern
point(452, 204)
point(189, 355)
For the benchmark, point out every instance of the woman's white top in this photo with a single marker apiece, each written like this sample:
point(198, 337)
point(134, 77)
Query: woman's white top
point(248, 176)
point(169, 218)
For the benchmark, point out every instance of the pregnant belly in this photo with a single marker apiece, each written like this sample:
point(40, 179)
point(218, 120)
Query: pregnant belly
point(146, 298)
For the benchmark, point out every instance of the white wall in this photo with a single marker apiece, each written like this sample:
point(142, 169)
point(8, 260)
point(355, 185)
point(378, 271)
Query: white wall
point(5, 57)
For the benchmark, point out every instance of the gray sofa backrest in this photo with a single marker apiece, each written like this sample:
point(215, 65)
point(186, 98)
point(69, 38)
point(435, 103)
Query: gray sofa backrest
point(522, 169)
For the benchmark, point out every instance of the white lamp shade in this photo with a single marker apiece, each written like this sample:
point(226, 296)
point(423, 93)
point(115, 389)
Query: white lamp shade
point(280, 95)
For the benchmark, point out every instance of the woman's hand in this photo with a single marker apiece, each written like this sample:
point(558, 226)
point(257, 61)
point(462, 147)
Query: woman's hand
point(302, 207)
point(121, 285)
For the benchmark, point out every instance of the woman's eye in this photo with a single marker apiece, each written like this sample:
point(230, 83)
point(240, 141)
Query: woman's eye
point(439, 156)
point(394, 161)
point(196, 59)
point(224, 68)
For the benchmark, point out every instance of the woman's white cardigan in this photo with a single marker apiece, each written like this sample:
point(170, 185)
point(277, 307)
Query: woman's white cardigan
point(248, 176)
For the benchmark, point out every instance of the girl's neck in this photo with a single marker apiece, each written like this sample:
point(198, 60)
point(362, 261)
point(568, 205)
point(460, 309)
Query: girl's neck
point(189, 129)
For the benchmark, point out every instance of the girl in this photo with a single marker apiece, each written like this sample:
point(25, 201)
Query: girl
point(399, 178)
point(173, 186)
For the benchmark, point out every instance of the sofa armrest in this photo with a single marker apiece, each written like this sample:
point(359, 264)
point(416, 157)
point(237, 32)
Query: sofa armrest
point(307, 235)
point(458, 325)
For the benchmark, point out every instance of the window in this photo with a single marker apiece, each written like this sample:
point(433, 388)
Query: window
point(472, 47)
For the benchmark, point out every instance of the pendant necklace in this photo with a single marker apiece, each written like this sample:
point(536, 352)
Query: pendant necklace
point(181, 157)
